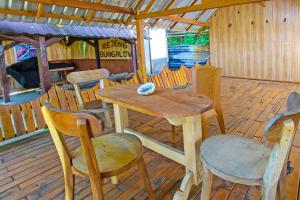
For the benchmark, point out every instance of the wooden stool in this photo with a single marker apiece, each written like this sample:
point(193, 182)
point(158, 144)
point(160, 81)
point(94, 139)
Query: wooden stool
point(244, 161)
point(98, 157)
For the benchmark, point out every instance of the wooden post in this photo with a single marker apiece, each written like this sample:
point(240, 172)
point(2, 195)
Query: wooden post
point(134, 58)
point(4, 79)
point(44, 73)
point(97, 53)
point(141, 49)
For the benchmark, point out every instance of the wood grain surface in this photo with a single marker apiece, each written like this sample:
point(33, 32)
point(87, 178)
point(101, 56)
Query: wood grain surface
point(165, 103)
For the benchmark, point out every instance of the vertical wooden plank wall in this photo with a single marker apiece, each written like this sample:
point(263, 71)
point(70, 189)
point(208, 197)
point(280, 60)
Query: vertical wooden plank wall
point(253, 41)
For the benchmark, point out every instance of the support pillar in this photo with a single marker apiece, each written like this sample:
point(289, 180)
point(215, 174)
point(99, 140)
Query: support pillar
point(141, 50)
point(44, 73)
point(97, 53)
point(134, 58)
point(4, 79)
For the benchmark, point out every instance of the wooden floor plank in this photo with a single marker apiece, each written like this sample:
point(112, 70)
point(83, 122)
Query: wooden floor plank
point(31, 169)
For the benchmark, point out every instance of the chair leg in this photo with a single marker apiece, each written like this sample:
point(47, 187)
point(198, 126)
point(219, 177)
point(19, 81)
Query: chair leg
point(173, 133)
point(220, 118)
point(69, 186)
point(108, 119)
point(96, 185)
point(145, 176)
point(268, 192)
point(204, 126)
point(206, 184)
point(282, 184)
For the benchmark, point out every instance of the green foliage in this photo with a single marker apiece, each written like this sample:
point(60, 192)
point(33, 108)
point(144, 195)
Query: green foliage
point(201, 39)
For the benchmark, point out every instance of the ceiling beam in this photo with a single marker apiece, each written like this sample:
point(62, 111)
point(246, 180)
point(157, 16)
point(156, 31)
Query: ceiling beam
point(148, 7)
point(86, 5)
point(197, 18)
point(58, 16)
point(10, 45)
point(203, 6)
point(91, 13)
point(39, 12)
point(169, 5)
point(136, 8)
point(185, 20)
point(53, 40)
point(182, 15)
point(22, 39)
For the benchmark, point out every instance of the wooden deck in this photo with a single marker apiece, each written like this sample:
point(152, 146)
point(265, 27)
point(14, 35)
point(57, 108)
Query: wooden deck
point(31, 169)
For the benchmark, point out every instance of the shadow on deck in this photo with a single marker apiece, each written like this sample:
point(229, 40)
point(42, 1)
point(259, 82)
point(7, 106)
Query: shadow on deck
point(30, 169)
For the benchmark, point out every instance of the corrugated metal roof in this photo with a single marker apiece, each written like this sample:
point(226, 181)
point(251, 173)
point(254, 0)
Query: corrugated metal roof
point(62, 10)
point(21, 28)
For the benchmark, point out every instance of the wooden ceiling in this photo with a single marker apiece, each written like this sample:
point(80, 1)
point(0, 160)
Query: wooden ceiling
point(190, 15)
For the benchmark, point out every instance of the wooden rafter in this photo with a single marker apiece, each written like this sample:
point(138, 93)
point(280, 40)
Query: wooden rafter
point(39, 12)
point(86, 5)
point(185, 20)
point(10, 45)
point(169, 5)
point(22, 39)
point(197, 18)
point(182, 15)
point(136, 8)
point(58, 16)
point(148, 7)
point(53, 40)
point(91, 13)
point(203, 6)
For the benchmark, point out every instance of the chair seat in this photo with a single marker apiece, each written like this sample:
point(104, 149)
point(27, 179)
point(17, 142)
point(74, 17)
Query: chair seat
point(235, 157)
point(113, 152)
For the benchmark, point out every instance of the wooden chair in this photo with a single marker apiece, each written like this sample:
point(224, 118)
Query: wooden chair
point(98, 157)
point(206, 81)
point(96, 106)
point(244, 161)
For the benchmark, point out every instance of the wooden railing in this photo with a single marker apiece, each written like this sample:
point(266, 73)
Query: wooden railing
point(18, 120)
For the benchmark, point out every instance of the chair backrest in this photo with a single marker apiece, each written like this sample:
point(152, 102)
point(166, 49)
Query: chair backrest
point(81, 125)
point(281, 129)
point(206, 81)
point(84, 76)
point(89, 75)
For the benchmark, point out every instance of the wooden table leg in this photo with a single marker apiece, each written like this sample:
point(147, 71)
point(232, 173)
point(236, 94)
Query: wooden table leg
point(192, 137)
point(121, 122)
point(121, 118)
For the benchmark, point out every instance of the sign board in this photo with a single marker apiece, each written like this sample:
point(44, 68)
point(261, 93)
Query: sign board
point(24, 52)
point(114, 48)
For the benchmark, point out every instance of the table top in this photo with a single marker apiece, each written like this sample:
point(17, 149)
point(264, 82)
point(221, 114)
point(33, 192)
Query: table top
point(165, 103)
point(62, 69)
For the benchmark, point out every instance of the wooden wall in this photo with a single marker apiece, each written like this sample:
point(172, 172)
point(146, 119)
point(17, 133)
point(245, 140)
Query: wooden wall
point(253, 41)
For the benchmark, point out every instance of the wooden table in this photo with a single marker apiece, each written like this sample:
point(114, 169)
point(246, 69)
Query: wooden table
point(63, 71)
point(179, 107)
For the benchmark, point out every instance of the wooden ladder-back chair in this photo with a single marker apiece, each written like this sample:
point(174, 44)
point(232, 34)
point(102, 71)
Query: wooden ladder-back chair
point(244, 161)
point(95, 106)
point(98, 157)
